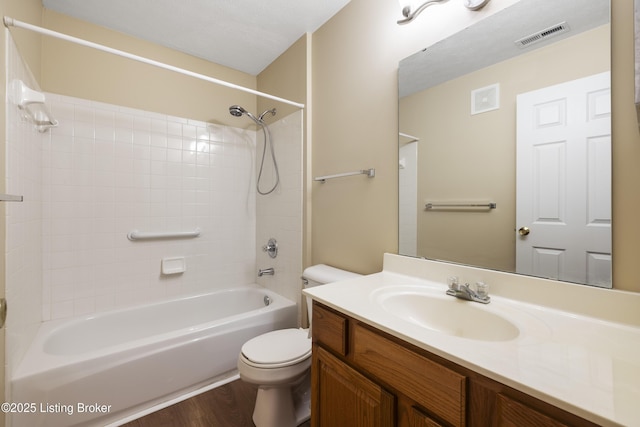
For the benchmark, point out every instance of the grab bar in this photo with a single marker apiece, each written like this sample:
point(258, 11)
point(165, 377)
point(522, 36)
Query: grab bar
point(10, 198)
point(490, 205)
point(369, 172)
point(140, 235)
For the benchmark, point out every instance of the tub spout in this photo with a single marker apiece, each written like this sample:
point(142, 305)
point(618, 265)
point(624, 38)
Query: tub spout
point(267, 271)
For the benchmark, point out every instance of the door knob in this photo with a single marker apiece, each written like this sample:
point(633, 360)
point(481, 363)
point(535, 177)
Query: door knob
point(524, 231)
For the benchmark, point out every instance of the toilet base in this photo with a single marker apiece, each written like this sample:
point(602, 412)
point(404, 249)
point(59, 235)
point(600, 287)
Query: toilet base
point(283, 406)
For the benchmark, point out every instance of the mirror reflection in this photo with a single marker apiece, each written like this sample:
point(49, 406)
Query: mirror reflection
point(504, 147)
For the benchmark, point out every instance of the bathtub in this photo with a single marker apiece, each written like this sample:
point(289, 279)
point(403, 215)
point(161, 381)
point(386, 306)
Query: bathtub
point(98, 369)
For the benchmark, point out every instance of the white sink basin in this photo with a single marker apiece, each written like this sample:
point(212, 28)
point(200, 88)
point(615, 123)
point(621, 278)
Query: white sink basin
point(446, 314)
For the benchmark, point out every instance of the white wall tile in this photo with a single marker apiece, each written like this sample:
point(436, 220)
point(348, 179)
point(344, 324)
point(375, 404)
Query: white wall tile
point(148, 172)
point(24, 238)
point(280, 213)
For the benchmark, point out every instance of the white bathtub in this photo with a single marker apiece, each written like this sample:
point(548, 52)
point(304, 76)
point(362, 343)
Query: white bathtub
point(101, 368)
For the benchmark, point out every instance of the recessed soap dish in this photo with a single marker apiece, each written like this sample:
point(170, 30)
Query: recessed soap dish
point(175, 265)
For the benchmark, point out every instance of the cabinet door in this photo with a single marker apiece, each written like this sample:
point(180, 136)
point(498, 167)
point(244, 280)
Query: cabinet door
point(343, 397)
point(419, 419)
point(515, 414)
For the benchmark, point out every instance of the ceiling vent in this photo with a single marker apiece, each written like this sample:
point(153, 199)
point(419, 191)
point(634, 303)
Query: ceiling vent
point(542, 35)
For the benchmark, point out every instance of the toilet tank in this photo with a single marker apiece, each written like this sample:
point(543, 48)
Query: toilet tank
point(322, 274)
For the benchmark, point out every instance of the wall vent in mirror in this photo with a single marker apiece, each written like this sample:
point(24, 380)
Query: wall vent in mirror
point(541, 35)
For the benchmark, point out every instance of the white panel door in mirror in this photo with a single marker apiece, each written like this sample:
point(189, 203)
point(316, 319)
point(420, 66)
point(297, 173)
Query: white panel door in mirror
point(563, 132)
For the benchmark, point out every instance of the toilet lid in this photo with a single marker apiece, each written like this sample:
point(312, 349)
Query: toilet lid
point(278, 347)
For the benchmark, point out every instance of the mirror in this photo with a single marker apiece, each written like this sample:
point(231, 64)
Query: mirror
point(505, 144)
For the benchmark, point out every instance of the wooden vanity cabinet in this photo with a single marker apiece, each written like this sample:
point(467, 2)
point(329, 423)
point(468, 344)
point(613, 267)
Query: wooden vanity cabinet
point(363, 377)
point(345, 397)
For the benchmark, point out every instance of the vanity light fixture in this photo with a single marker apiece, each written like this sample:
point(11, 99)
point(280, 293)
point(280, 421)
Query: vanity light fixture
point(412, 8)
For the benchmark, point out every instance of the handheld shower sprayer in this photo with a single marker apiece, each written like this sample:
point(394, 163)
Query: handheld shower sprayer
point(238, 111)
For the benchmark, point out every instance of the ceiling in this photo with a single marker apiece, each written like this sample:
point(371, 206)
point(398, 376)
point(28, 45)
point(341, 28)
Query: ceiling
point(493, 39)
point(245, 35)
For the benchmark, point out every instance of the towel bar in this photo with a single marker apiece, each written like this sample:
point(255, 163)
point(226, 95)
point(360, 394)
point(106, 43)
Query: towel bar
point(431, 205)
point(369, 172)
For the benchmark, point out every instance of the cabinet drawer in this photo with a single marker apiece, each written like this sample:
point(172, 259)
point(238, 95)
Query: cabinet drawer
point(439, 390)
point(329, 328)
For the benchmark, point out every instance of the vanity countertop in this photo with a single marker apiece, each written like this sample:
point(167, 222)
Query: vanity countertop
point(586, 362)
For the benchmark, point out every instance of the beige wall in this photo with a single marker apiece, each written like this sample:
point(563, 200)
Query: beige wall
point(83, 72)
point(354, 219)
point(355, 58)
point(481, 148)
point(626, 152)
point(28, 42)
point(286, 77)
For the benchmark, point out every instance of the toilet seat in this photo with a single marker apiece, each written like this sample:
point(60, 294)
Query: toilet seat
point(277, 349)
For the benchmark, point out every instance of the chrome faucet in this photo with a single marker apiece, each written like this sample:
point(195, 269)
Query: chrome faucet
point(267, 271)
point(465, 292)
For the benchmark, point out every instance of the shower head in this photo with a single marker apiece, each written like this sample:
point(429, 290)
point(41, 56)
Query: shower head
point(237, 111)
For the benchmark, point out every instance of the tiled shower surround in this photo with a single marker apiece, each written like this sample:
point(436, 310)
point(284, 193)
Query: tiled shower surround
point(109, 170)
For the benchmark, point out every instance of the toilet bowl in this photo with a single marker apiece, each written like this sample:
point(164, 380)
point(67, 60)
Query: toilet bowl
point(279, 362)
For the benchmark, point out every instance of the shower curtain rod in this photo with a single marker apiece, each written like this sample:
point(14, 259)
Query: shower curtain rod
point(10, 22)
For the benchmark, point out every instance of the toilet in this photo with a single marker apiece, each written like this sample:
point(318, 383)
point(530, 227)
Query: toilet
point(279, 363)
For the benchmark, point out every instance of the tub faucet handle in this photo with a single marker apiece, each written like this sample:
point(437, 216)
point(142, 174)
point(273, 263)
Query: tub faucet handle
point(271, 248)
point(453, 282)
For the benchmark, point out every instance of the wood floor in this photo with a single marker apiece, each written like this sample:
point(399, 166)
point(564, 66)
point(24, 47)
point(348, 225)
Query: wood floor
point(230, 405)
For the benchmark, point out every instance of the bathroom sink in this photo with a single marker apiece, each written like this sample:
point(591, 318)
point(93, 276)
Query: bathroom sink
point(447, 314)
